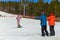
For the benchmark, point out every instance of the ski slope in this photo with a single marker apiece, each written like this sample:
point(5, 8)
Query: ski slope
point(30, 29)
point(6, 14)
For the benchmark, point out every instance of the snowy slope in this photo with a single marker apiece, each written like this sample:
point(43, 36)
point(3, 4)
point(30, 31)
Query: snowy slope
point(30, 29)
point(5, 14)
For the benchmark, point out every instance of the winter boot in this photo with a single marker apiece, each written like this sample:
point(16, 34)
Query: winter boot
point(19, 26)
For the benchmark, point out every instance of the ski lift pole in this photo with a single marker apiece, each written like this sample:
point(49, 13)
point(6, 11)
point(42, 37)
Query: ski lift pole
point(24, 6)
point(24, 10)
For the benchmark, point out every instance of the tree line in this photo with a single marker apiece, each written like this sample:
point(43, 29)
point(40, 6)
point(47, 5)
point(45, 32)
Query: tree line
point(32, 8)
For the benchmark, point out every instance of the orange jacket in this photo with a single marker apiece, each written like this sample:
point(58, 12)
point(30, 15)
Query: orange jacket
point(51, 20)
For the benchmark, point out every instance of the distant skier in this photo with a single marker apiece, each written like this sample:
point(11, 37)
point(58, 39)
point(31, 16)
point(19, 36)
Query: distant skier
point(18, 21)
point(51, 21)
point(43, 24)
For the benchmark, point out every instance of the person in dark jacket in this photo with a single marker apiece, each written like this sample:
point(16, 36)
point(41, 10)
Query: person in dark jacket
point(43, 24)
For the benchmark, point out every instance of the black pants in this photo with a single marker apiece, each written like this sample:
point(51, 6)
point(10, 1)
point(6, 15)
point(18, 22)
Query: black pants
point(52, 31)
point(44, 30)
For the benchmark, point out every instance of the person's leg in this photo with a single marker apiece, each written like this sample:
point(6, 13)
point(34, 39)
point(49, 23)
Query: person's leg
point(18, 23)
point(46, 30)
point(50, 30)
point(53, 30)
point(42, 31)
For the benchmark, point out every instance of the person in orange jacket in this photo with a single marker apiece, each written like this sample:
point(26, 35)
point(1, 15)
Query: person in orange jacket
point(51, 22)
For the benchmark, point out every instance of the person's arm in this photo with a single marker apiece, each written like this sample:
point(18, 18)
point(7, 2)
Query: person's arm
point(20, 17)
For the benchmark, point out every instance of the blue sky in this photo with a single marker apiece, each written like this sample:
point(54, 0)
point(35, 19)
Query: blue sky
point(8, 0)
point(44, 1)
point(31, 0)
point(47, 1)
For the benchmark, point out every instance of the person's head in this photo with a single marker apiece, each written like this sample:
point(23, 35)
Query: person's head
point(52, 13)
point(42, 12)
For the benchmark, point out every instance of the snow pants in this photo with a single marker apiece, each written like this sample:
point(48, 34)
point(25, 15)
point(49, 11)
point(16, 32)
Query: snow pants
point(52, 31)
point(44, 30)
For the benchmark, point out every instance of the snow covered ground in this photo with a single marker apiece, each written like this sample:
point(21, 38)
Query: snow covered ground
point(6, 14)
point(30, 29)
